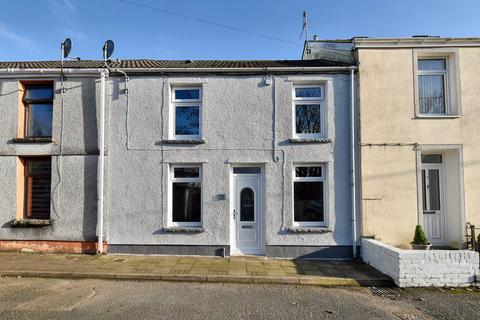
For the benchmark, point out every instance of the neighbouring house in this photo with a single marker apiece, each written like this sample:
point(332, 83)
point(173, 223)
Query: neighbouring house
point(201, 157)
point(419, 136)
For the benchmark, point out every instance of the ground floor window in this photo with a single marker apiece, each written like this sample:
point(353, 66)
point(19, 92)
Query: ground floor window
point(309, 195)
point(185, 195)
point(37, 187)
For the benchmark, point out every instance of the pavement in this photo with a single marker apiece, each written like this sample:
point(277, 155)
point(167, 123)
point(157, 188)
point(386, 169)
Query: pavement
point(194, 269)
point(39, 298)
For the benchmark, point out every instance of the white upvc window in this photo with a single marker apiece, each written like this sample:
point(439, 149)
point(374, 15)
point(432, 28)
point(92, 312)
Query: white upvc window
point(186, 112)
point(437, 84)
point(309, 195)
point(433, 86)
point(185, 195)
point(309, 112)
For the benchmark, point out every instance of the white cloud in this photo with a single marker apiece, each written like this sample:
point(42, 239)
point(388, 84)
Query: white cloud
point(5, 33)
point(69, 5)
point(66, 13)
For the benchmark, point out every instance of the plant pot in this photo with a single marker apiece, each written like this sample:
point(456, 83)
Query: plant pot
point(421, 246)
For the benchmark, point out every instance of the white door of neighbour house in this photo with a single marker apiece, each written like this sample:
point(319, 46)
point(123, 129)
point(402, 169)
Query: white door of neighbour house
point(433, 199)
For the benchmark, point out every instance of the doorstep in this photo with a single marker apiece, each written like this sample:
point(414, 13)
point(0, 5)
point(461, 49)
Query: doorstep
point(193, 269)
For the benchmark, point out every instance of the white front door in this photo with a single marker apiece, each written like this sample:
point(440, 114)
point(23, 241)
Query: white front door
point(247, 214)
point(433, 200)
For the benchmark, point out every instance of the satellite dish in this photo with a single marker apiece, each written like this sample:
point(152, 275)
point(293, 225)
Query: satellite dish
point(108, 49)
point(66, 47)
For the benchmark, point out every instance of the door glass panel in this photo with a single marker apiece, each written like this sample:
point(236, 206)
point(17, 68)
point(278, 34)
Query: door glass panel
point(434, 189)
point(247, 170)
point(431, 158)
point(424, 194)
point(247, 205)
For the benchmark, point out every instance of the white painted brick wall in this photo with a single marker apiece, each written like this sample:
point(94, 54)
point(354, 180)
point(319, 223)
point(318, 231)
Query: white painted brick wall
point(418, 268)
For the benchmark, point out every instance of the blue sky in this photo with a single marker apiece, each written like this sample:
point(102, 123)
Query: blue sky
point(33, 29)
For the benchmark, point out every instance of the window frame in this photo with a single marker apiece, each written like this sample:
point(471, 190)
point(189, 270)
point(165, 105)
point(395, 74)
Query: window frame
point(309, 101)
point(179, 103)
point(453, 99)
point(323, 178)
point(171, 181)
point(23, 106)
point(23, 188)
point(446, 85)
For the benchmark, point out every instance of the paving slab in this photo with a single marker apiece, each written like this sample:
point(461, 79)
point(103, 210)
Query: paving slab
point(191, 268)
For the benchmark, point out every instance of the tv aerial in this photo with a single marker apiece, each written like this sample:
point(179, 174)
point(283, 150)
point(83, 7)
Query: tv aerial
point(107, 49)
point(65, 47)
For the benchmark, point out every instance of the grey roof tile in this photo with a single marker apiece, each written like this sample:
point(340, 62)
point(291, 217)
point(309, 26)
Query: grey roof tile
point(129, 64)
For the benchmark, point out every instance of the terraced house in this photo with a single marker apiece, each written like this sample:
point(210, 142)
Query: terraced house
point(418, 135)
point(419, 138)
point(177, 157)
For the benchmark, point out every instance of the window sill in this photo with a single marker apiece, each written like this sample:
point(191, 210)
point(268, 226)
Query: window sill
point(30, 223)
point(33, 140)
point(309, 229)
point(191, 141)
point(448, 116)
point(184, 229)
point(310, 140)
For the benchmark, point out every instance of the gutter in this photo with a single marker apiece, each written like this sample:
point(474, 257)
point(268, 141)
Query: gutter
point(353, 163)
point(16, 72)
point(426, 42)
point(233, 70)
point(101, 164)
point(40, 72)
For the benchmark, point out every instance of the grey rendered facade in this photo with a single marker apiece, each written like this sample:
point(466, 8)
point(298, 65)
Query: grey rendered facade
point(74, 162)
point(246, 120)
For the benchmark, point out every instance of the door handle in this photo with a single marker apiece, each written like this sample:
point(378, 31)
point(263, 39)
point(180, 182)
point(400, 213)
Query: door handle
point(234, 213)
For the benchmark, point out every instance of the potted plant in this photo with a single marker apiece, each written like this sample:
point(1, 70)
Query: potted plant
point(420, 241)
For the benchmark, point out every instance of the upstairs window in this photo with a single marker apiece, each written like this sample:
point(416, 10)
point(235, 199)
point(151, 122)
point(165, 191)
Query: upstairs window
point(37, 187)
point(186, 195)
point(308, 111)
point(433, 86)
point(186, 113)
point(309, 195)
point(38, 104)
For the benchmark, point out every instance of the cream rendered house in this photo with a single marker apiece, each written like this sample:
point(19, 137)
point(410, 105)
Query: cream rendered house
point(419, 137)
point(418, 134)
